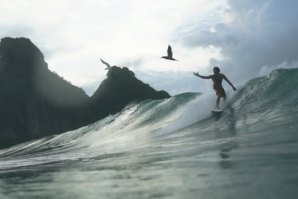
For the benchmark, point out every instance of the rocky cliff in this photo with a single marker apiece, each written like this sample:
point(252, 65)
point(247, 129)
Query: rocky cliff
point(35, 102)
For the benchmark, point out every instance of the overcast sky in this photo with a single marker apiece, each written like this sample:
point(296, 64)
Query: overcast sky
point(246, 38)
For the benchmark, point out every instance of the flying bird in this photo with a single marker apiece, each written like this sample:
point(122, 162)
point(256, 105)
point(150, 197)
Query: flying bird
point(170, 54)
point(107, 64)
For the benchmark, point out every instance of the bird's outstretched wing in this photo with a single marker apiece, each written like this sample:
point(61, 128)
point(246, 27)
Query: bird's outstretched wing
point(105, 63)
point(170, 53)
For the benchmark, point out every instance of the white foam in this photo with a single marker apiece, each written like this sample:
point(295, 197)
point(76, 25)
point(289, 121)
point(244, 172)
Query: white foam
point(194, 111)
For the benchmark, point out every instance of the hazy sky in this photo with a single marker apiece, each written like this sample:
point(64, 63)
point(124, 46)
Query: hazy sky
point(246, 38)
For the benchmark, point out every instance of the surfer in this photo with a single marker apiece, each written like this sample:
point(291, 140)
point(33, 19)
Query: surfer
point(217, 78)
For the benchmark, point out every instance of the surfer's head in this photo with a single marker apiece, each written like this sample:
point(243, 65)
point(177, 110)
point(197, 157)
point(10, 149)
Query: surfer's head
point(216, 69)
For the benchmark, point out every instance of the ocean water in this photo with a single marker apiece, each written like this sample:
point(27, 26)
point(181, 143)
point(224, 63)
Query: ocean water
point(173, 148)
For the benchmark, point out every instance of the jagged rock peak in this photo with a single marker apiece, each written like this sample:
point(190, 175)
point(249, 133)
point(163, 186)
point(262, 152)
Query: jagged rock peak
point(19, 47)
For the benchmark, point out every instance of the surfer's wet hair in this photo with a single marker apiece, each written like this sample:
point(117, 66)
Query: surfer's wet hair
point(216, 68)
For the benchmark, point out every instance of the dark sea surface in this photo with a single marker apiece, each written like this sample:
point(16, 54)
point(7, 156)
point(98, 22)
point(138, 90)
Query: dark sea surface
point(173, 148)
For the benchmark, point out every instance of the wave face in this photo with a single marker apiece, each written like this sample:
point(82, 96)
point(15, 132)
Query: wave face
point(173, 148)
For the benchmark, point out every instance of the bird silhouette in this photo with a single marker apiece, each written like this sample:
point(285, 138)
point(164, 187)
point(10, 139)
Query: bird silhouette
point(170, 54)
point(107, 64)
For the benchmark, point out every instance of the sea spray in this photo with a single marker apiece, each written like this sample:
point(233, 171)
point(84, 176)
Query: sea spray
point(194, 111)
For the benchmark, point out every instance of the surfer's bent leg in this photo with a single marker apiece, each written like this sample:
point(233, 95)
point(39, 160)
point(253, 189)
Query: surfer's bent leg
point(220, 92)
point(217, 102)
point(224, 95)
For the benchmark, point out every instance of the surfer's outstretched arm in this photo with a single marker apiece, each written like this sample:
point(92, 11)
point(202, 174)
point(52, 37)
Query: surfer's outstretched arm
point(203, 77)
point(230, 83)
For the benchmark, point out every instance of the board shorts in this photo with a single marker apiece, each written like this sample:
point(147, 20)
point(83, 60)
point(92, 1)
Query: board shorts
point(220, 92)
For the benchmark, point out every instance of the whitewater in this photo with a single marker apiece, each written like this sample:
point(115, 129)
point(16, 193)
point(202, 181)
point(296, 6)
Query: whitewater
point(171, 148)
